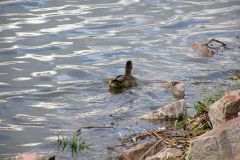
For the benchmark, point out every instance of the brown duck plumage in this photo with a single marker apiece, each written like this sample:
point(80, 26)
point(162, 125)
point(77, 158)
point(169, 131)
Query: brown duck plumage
point(123, 81)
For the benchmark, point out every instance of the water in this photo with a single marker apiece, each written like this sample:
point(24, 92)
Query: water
point(56, 58)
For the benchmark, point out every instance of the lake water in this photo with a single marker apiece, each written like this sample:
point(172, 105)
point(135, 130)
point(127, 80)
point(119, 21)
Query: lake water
point(56, 57)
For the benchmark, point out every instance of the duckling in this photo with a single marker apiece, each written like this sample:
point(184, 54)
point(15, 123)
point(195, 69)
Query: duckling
point(123, 81)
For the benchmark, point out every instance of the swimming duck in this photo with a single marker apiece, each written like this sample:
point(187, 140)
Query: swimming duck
point(123, 81)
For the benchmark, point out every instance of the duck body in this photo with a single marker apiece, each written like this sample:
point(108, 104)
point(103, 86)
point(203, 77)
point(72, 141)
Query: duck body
point(123, 81)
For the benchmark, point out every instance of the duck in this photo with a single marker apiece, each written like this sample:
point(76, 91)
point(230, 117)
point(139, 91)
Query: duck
point(123, 81)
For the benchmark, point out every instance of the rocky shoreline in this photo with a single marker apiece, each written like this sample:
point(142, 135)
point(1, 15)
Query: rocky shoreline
point(213, 133)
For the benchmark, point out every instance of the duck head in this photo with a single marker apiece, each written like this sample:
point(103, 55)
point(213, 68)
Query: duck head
point(128, 69)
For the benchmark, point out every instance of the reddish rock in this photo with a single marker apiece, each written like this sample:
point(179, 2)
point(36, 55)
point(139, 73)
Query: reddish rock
point(176, 110)
point(135, 153)
point(226, 108)
point(28, 156)
point(221, 143)
point(167, 153)
point(203, 50)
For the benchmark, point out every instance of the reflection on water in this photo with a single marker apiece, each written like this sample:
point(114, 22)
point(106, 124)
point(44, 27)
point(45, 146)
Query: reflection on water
point(56, 57)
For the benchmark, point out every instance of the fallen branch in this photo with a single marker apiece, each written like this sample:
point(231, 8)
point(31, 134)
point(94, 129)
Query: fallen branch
point(119, 110)
point(95, 127)
point(142, 157)
point(209, 44)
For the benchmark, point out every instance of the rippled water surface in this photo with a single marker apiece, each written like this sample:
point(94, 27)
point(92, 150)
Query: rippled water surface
point(56, 57)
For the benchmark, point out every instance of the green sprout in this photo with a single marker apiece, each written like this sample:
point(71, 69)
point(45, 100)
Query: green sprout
point(75, 143)
point(207, 100)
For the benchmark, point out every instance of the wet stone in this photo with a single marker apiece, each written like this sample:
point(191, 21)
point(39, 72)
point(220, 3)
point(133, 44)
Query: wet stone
point(175, 110)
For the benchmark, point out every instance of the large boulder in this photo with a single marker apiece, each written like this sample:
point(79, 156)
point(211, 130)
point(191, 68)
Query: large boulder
point(225, 108)
point(135, 153)
point(176, 110)
point(167, 153)
point(221, 143)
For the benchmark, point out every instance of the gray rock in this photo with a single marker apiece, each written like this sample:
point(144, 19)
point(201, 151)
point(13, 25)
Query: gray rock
point(221, 143)
point(166, 153)
point(169, 84)
point(226, 108)
point(176, 110)
point(179, 90)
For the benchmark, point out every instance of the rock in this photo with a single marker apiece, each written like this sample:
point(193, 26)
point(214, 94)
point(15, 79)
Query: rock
point(169, 84)
point(177, 87)
point(203, 50)
point(52, 158)
point(176, 110)
point(167, 153)
point(28, 156)
point(210, 48)
point(225, 108)
point(221, 143)
point(178, 90)
point(135, 153)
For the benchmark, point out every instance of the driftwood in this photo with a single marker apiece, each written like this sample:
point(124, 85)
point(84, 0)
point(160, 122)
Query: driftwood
point(210, 48)
point(209, 44)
